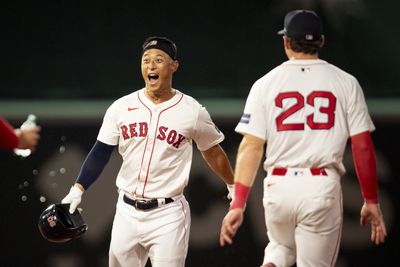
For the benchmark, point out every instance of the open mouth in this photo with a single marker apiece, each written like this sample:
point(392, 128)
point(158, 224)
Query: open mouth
point(153, 78)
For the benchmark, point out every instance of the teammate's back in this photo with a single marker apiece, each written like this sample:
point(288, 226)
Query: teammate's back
point(307, 105)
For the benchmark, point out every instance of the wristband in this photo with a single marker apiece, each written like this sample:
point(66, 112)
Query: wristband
point(241, 194)
point(80, 187)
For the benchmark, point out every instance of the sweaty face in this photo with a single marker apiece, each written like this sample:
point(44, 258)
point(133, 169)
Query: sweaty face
point(157, 69)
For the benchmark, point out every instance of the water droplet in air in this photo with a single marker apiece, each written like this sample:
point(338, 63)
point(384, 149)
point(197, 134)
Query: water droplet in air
point(61, 149)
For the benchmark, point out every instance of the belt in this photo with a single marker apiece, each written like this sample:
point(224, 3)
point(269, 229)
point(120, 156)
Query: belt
point(141, 204)
point(314, 171)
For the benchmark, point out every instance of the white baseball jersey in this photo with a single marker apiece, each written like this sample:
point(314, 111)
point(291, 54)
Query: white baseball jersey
point(305, 110)
point(155, 141)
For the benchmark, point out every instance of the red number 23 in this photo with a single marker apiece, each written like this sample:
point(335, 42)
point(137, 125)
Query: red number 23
point(329, 111)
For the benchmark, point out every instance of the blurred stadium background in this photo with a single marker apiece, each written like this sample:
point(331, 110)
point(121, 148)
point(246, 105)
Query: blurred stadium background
point(66, 61)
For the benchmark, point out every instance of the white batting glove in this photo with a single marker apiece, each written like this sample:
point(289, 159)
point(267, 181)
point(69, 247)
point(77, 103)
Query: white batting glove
point(74, 198)
point(231, 191)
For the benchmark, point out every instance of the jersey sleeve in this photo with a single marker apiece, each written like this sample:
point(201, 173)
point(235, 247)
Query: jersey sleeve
point(109, 132)
point(358, 117)
point(253, 119)
point(206, 133)
point(8, 139)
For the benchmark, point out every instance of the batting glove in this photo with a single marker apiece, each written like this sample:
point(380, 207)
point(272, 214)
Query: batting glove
point(231, 191)
point(73, 198)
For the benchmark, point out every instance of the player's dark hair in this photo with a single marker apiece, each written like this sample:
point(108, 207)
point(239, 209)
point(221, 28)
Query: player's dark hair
point(306, 47)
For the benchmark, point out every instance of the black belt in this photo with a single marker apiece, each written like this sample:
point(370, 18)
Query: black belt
point(141, 204)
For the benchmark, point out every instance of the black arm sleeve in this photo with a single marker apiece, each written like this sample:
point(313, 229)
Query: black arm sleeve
point(94, 163)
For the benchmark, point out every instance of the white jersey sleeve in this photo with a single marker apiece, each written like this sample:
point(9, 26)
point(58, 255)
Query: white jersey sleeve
point(206, 133)
point(253, 118)
point(358, 116)
point(109, 132)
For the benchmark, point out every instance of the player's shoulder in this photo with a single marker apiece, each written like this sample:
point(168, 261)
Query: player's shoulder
point(124, 100)
point(193, 107)
point(269, 75)
point(128, 98)
point(266, 79)
point(188, 100)
point(340, 73)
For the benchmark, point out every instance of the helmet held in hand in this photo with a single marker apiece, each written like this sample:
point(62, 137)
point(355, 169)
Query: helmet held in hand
point(57, 225)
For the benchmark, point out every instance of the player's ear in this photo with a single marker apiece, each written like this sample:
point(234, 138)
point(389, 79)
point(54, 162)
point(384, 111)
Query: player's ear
point(286, 45)
point(322, 41)
point(286, 42)
point(174, 65)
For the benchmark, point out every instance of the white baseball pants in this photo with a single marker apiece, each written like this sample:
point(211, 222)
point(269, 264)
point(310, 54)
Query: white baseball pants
point(161, 234)
point(303, 215)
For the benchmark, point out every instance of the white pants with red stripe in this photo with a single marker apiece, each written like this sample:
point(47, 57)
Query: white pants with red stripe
point(303, 215)
point(161, 234)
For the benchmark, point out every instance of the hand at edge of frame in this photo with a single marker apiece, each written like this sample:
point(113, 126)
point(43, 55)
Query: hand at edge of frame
point(372, 213)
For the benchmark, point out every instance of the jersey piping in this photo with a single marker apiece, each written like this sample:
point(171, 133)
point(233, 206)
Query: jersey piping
point(154, 142)
point(147, 139)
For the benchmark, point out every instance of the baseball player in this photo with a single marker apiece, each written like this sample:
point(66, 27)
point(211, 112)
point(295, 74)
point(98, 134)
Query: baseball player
point(154, 129)
point(11, 138)
point(305, 110)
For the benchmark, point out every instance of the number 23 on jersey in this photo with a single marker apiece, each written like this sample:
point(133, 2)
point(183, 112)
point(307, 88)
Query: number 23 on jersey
point(299, 103)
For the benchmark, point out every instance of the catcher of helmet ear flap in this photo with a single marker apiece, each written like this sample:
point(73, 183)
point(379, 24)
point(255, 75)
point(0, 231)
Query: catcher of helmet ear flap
point(57, 225)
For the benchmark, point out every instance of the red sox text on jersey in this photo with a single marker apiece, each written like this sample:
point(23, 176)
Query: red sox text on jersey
point(140, 129)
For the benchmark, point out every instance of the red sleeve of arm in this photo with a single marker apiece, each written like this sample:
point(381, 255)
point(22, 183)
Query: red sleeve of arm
point(8, 139)
point(365, 165)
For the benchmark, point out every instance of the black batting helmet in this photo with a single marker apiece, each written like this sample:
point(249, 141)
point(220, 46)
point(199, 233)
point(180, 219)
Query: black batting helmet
point(57, 225)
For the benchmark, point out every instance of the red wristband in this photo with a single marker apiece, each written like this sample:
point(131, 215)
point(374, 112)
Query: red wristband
point(241, 194)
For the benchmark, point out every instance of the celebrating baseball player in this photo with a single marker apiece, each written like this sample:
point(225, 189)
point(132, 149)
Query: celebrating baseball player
point(154, 128)
point(305, 110)
point(11, 138)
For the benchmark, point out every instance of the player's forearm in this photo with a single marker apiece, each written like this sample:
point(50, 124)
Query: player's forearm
point(218, 161)
point(223, 169)
point(365, 165)
point(248, 160)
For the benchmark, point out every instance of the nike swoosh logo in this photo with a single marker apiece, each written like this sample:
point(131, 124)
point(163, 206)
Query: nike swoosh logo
point(130, 109)
point(269, 184)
